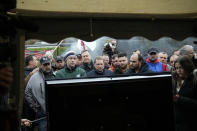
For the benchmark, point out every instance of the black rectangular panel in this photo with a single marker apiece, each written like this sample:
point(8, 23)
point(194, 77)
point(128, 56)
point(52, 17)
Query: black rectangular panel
point(133, 103)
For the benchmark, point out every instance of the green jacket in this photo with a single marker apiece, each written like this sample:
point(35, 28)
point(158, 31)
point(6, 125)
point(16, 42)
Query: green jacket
point(66, 73)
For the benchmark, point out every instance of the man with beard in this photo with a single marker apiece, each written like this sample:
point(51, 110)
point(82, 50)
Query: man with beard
point(153, 61)
point(114, 62)
point(137, 65)
point(59, 63)
point(35, 91)
point(99, 68)
point(123, 64)
point(87, 64)
point(71, 70)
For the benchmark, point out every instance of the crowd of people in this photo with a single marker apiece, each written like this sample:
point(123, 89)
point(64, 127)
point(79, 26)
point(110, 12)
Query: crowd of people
point(181, 64)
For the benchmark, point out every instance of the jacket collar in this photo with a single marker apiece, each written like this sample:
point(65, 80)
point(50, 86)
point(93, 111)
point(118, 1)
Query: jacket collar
point(148, 60)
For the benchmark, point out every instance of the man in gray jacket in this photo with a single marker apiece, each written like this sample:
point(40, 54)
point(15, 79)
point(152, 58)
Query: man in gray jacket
point(35, 91)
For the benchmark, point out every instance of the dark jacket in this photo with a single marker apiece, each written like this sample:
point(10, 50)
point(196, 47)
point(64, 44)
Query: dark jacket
point(95, 73)
point(119, 72)
point(186, 105)
point(27, 71)
point(194, 61)
point(87, 67)
point(144, 69)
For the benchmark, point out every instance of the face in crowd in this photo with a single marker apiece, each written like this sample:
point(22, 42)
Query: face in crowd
point(71, 61)
point(114, 44)
point(34, 62)
point(59, 64)
point(134, 62)
point(173, 59)
point(115, 62)
point(106, 60)
point(184, 67)
point(163, 57)
point(190, 52)
point(46, 68)
point(123, 61)
point(153, 56)
point(99, 65)
point(86, 57)
point(79, 59)
point(179, 70)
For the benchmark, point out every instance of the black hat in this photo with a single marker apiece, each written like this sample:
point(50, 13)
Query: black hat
point(59, 58)
point(152, 50)
point(79, 56)
point(45, 60)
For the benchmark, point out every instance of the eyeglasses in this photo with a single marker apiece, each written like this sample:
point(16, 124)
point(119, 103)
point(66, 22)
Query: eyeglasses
point(153, 53)
point(46, 64)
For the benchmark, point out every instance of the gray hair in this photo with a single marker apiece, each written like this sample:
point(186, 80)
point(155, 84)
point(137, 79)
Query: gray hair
point(185, 50)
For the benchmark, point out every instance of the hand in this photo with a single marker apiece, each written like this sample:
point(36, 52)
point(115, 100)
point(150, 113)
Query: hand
point(26, 122)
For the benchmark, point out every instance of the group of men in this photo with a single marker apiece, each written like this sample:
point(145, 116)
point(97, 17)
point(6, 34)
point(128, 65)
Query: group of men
point(73, 66)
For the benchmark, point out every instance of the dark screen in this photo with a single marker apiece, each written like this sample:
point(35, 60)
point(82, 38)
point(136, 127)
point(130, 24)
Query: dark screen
point(111, 104)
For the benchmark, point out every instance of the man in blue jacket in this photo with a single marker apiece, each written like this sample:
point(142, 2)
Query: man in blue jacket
point(153, 61)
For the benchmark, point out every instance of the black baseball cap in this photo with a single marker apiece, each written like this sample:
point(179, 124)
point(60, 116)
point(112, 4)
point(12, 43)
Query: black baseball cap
point(153, 50)
point(45, 60)
point(59, 58)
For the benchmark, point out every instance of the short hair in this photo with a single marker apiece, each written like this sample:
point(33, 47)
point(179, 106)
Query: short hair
point(122, 54)
point(104, 54)
point(185, 49)
point(98, 58)
point(85, 51)
point(186, 63)
point(136, 51)
point(173, 56)
point(28, 59)
point(114, 56)
point(163, 53)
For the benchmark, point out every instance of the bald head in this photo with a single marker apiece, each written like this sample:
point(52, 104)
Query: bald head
point(136, 61)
